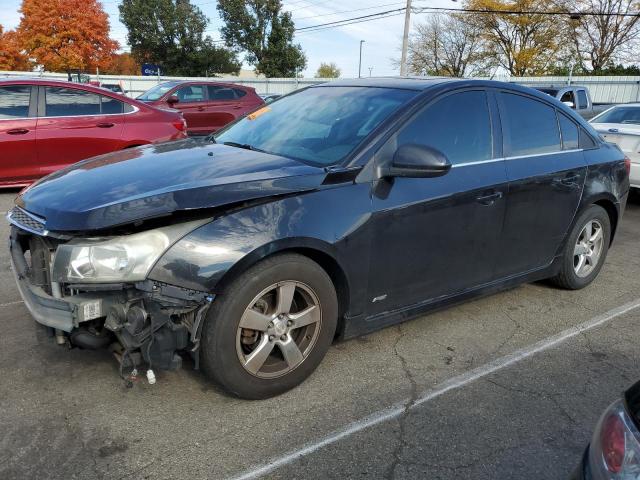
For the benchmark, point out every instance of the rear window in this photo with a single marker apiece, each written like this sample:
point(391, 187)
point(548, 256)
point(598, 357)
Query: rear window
point(529, 126)
point(582, 99)
point(14, 101)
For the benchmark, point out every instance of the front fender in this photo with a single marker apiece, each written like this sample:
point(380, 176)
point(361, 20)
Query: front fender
point(334, 222)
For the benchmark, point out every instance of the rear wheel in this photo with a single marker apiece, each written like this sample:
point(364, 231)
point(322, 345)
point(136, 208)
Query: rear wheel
point(270, 328)
point(586, 249)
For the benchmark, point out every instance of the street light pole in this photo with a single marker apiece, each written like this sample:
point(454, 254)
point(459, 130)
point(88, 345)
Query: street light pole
point(360, 62)
point(405, 39)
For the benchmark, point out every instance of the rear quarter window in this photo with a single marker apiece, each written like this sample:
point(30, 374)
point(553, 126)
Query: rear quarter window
point(529, 126)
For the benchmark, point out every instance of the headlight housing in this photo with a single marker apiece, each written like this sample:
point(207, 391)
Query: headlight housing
point(126, 258)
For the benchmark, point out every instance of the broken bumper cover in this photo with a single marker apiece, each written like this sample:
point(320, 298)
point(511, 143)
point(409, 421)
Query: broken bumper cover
point(62, 314)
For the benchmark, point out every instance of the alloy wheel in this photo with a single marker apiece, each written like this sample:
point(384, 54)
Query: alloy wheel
point(278, 329)
point(588, 248)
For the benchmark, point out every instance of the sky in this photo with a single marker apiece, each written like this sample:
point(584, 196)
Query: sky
point(382, 37)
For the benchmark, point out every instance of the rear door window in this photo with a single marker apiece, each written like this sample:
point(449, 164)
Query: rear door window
point(69, 102)
point(458, 125)
point(14, 101)
point(569, 131)
point(221, 94)
point(529, 126)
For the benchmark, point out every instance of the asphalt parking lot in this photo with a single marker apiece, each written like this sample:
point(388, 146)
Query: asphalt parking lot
point(508, 386)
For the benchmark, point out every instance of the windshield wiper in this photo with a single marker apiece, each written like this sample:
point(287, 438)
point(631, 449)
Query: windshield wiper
point(246, 146)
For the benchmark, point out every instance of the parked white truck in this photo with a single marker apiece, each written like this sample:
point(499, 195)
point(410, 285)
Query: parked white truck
point(575, 97)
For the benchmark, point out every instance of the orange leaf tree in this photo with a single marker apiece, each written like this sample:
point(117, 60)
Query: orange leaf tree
point(11, 55)
point(122, 64)
point(64, 35)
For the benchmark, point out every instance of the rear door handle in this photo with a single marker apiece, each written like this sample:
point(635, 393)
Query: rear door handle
point(17, 131)
point(201, 109)
point(105, 125)
point(237, 107)
point(489, 199)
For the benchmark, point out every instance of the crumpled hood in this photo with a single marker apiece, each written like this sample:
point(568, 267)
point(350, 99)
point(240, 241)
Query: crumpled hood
point(157, 180)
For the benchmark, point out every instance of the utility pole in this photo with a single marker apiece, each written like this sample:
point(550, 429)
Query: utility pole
point(405, 39)
point(370, 68)
point(360, 62)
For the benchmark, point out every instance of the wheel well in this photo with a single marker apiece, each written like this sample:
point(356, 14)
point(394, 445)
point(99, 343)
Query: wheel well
point(337, 275)
point(611, 210)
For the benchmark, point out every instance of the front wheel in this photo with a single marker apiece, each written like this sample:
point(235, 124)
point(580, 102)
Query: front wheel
point(586, 249)
point(270, 328)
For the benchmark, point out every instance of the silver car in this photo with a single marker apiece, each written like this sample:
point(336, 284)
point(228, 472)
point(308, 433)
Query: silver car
point(621, 125)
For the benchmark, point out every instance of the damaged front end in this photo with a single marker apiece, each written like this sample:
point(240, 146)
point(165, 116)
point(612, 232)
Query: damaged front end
point(93, 292)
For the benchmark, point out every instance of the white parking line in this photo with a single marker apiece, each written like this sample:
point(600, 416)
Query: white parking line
point(444, 387)
point(10, 303)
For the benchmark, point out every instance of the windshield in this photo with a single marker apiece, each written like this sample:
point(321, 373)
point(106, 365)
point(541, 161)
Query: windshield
point(157, 92)
point(629, 115)
point(548, 91)
point(319, 125)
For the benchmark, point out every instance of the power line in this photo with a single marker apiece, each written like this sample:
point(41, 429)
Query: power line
point(362, 17)
point(348, 11)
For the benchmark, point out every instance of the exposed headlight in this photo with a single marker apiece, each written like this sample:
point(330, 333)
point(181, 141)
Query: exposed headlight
point(127, 258)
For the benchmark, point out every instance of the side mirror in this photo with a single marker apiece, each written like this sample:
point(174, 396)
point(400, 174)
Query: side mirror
point(417, 161)
point(569, 104)
point(173, 99)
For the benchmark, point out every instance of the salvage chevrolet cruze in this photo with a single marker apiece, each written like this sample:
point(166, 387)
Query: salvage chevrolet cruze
point(334, 211)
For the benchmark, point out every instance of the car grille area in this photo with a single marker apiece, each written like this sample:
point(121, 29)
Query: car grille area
point(27, 221)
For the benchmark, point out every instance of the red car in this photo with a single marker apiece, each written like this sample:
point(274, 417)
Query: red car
point(206, 106)
point(47, 124)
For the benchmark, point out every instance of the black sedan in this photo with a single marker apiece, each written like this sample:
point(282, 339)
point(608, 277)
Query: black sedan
point(335, 211)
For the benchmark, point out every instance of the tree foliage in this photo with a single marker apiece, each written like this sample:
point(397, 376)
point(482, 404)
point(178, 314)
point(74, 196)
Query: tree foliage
point(62, 35)
point(328, 70)
point(601, 40)
point(522, 43)
point(122, 64)
point(12, 56)
point(171, 33)
point(447, 45)
point(262, 30)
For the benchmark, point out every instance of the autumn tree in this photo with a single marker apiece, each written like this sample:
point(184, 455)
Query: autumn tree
point(600, 41)
point(328, 70)
point(12, 56)
point(63, 35)
point(525, 43)
point(448, 45)
point(265, 32)
point(122, 64)
point(170, 33)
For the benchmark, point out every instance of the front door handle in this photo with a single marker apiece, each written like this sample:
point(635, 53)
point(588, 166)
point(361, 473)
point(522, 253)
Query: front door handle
point(105, 125)
point(17, 131)
point(489, 199)
point(201, 109)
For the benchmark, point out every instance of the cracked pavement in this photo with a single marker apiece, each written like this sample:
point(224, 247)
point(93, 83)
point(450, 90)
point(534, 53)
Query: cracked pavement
point(65, 413)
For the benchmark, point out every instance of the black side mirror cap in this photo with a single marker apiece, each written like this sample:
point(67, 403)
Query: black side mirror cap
point(417, 161)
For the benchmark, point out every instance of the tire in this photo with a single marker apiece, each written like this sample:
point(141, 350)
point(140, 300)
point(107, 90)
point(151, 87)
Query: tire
point(231, 354)
point(571, 277)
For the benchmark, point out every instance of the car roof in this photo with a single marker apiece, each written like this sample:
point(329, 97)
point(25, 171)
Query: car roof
point(425, 83)
point(207, 82)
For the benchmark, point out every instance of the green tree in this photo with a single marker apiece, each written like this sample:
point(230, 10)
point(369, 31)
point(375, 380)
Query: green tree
point(265, 33)
point(171, 33)
point(328, 70)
